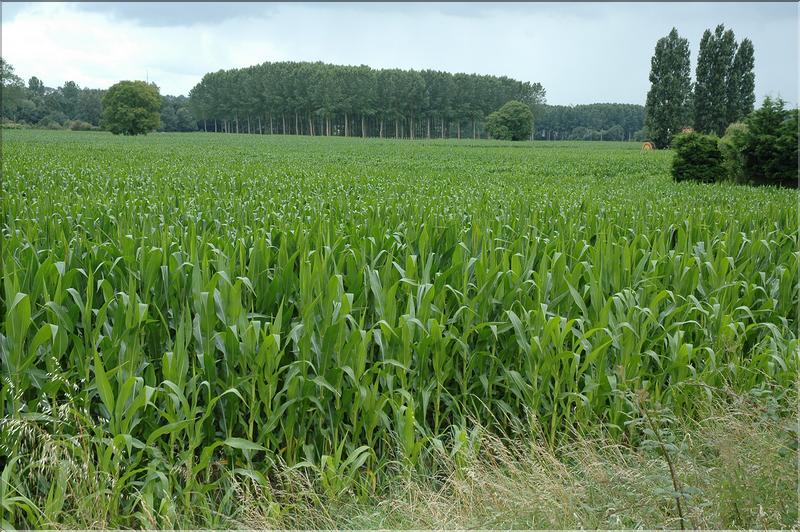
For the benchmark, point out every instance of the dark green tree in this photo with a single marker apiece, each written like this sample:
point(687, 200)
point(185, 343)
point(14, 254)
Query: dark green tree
point(667, 106)
point(35, 86)
point(770, 145)
point(513, 121)
point(713, 78)
point(131, 108)
point(741, 83)
point(697, 158)
point(13, 91)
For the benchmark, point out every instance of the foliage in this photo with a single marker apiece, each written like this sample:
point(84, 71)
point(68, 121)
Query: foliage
point(513, 121)
point(323, 99)
point(78, 125)
point(741, 83)
point(558, 122)
point(131, 108)
point(697, 158)
point(667, 107)
point(724, 90)
point(731, 146)
point(175, 114)
point(12, 90)
point(769, 148)
point(196, 325)
point(36, 104)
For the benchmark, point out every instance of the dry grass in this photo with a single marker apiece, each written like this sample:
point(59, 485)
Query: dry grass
point(739, 464)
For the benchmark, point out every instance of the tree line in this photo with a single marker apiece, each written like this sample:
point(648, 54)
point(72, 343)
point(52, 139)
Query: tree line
point(74, 107)
point(303, 98)
point(723, 91)
point(596, 121)
point(323, 99)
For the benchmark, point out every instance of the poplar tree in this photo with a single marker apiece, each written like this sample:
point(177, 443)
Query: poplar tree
point(667, 108)
point(741, 83)
point(713, 79)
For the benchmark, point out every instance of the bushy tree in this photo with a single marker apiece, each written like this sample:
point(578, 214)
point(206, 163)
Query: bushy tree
point(730, 145)
point(131, 108)
point(13, 91)
point(513, 121)
point(770, 145)
point(668, 102)
point(697, 158)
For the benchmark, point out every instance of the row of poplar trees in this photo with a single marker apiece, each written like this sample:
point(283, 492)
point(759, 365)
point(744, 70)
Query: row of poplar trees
point(306, 98)
point(723, 91)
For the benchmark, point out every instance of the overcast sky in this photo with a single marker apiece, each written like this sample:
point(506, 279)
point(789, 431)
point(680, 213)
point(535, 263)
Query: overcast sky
point(579, 52)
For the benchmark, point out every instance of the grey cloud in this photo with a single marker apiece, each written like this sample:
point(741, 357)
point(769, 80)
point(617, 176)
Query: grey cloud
point(168, 14)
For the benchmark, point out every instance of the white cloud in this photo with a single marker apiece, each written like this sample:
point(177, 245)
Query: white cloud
point(581, 53)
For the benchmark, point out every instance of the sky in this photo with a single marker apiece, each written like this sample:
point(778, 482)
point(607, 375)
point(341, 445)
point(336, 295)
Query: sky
point(580, 52)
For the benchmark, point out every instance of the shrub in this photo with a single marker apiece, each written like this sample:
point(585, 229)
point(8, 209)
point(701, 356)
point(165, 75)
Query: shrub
point(48, 123)
point(513, 121)
point(78, 125)
point(615, 132)
point(730, 145)
point(10, 124)
point(697, 158)
point(769, 151)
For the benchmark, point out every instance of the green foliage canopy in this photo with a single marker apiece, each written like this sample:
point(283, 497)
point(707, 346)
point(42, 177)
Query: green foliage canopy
point(513, 121)
point(770, 145)
point(131, 108)
point(697, 158)
point(668, 100)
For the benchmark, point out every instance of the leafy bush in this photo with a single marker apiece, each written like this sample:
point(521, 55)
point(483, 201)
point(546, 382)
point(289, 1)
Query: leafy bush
point(48, 123)
point(513, 121)
point(730, 145)
point(697, 158)
point(78, 125)
point(769, 151)
point(52, 120)
point(10, 124)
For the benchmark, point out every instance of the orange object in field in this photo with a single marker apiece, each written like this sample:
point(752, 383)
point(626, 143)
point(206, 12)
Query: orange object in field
point(647, 146)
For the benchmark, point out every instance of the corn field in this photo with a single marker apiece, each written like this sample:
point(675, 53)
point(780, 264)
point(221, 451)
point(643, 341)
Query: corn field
point(183, 309)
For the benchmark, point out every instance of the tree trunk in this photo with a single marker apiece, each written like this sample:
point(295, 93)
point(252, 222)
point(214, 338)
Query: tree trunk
point(458, 129)
point(237, 124)
point(473, 129)
point(296, 124)
point(442, 127)
point(411, 128)
point(283, 118)
point(270, 123)
point(215, 125)
point(248, 124)
point(259, 124)
point(396, 129)
point(381, 128)
point(204, 126)
point(363, 128)
point(429, 128)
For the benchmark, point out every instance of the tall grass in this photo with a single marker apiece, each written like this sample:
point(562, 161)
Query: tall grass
point(183, 310)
